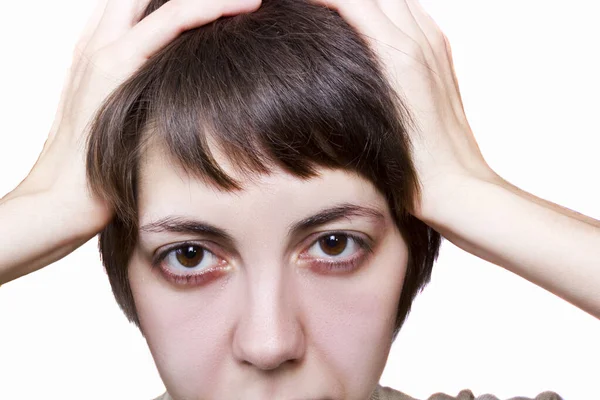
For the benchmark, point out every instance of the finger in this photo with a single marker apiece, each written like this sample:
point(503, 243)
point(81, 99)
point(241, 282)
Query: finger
point(111, 20)
point(68, 82)
point(84, 38)
point(97, 27)
point(174, 17)
point(90, 27)
point(140, 7)
point(439, 43)
point(427, 25)
point(399, 13)
point(118, 18)
point(367, 18)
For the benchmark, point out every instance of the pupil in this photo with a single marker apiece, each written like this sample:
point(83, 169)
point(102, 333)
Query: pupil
point(190, 256)
point(334, 245)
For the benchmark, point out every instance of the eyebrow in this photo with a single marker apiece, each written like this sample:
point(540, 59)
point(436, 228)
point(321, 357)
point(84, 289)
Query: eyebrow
point(336, 213)
point(180, 224)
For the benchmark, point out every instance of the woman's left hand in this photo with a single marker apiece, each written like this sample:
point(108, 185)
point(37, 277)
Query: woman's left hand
point(417, 60)
point(461, 196)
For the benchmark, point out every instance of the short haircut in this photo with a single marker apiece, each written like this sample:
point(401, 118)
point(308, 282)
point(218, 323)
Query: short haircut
point(290, 85)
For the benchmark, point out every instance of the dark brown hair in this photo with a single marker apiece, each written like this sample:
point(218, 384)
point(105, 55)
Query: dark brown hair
point(290, 85)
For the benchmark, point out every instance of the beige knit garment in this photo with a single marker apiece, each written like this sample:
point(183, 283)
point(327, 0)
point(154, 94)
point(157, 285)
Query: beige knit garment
point(386, 393)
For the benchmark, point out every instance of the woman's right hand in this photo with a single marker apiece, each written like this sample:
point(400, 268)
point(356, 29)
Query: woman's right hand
point(112, 47)
point(114, 44)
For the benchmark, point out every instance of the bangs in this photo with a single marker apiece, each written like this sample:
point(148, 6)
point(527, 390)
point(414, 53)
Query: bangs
point(269, 88)
point(290, 85)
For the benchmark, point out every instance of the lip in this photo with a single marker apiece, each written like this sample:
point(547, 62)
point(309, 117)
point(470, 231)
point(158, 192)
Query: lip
point(313, 398)
point(316, 398)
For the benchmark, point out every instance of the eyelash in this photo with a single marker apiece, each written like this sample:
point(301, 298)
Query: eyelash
point(187, 279)
point(345, 264)
point(365, 248)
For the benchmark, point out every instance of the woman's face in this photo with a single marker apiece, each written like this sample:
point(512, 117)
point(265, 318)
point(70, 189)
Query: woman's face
point(285, 290)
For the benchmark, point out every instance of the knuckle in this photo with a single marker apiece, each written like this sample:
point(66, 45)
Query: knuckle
point(84, 50)
point(112, 63)
point(447, 43)
point(175, 10)
point(101, 59)
point(81, 48)
point(177, 13)
point(439, 41)
point(419, 54)
point(415, 49)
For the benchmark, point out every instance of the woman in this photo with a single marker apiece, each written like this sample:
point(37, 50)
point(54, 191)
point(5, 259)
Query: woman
point(457, 164)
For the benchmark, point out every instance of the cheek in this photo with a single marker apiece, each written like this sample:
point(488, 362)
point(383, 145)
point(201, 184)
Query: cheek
point(183, 329)
point(346, 322)
point(354, 319)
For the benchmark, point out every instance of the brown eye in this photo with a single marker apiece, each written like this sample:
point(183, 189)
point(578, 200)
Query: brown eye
point(189, 256)
point(334, 244)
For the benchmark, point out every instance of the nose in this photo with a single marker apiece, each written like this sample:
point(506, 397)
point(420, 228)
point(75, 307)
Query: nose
point(269, 332)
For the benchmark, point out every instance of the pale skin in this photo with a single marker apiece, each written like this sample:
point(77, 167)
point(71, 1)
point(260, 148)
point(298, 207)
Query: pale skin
point(551, 246)
point(262, 311)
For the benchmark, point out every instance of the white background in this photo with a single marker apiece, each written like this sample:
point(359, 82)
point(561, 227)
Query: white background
point(528, 72)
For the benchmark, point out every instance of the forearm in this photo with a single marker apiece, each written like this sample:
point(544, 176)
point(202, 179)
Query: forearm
point(37, 229)
point(552, 206)
point(551, 246)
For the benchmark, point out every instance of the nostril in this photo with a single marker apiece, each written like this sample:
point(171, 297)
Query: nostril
point(267, 343)
point(269, 356)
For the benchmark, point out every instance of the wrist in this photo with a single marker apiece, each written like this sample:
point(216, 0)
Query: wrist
point(50, 226)
point(83, 214)
point(88, 215)
point(62, 182)
point(445, 196)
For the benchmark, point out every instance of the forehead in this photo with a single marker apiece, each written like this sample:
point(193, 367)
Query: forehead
point(165, 187)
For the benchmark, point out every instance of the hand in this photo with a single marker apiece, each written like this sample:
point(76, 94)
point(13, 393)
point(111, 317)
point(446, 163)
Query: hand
point(417, 60)
point(490, 218)
point(53, 209)
point(114, 44)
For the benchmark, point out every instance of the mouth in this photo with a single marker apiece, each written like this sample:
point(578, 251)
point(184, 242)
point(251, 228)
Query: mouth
point(316, 398)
